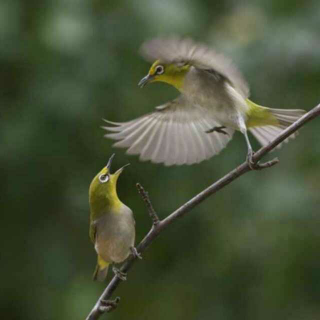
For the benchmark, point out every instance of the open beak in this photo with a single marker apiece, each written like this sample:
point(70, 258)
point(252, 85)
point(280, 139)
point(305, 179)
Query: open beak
point(119, 171)
point(145, 80)
point(110, 162)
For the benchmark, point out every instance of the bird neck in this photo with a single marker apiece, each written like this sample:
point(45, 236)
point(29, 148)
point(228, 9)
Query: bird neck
point(176, 81)
point(102, 202)
point(176, 76)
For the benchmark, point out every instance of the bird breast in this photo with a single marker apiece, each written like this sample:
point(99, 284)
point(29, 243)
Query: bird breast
point(211, 91)
point(115, 235)
point(204, 88)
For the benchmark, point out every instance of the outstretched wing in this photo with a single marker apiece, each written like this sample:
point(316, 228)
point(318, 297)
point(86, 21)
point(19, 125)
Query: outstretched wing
point(186, 51)
point(174, 134)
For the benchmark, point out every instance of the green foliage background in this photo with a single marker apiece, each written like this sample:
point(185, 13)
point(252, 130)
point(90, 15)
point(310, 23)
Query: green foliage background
point(250, 252)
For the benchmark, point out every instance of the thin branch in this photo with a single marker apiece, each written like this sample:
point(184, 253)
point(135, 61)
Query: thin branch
point(145, 197)
point(185, 208)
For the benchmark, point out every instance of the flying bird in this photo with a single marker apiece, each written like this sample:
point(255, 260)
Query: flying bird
point(198, 124)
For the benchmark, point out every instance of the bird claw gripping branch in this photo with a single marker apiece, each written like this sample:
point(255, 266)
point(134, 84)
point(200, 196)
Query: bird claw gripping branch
point(121, 275)
point(109, 305)
point(135, 253)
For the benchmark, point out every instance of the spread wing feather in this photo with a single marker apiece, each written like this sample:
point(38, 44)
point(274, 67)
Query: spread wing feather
point(186, 51)
point(173, 134)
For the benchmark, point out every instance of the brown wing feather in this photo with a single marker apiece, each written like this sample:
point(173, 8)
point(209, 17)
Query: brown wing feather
point(92, 232)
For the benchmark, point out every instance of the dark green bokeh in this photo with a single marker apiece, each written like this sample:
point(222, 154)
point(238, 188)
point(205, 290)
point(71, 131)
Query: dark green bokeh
point(250, 252)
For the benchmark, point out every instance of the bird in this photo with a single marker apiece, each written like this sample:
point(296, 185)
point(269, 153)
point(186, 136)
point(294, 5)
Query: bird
point(212, 105)
point(112, 226)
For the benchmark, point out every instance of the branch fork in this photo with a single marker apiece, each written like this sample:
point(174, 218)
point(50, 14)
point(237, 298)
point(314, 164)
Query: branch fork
point(256, 165)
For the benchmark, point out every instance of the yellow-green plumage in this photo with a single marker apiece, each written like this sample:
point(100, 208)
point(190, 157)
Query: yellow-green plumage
point(174, 75)
point(103, 197)
point(259, 116)
point(112, 229)
point(198, 124)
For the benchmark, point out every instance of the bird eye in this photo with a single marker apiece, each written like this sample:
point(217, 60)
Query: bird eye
point(159, 69)
point(104, 178)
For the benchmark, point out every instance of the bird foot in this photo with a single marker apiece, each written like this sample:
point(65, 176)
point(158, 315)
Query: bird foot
point(217, 129)
point(256, 165)
point(108, 305)
point(253, 165)
point(135, 253)
point(121, 275)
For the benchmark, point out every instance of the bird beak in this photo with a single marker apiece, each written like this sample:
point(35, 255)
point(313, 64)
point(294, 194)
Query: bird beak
point(145, 80)
point(110, 162)
point(119, 171)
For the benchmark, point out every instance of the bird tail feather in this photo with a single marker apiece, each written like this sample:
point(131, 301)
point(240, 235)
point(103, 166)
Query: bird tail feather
point(284, 118)
point(101, 270)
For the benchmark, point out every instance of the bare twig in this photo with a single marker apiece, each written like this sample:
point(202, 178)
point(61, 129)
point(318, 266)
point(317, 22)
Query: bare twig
point(215, 187)
point(145, 197)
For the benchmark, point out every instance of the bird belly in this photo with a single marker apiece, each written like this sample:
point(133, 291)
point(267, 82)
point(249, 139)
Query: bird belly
point(223, 112)
point(115, 236)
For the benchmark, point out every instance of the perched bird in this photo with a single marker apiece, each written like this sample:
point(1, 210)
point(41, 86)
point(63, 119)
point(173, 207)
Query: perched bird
point(112, 226)
point(200, 122)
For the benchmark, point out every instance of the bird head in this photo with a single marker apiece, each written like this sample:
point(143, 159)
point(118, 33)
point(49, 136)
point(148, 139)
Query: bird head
point(173, 74)
point(103, 188)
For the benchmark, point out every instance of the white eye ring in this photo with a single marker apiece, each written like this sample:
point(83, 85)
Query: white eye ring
point(104, 178)
point(159, 69)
